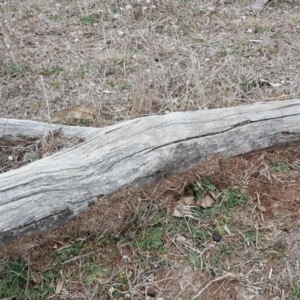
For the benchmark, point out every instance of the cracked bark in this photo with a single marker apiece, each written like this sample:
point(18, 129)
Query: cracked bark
point(48, 193)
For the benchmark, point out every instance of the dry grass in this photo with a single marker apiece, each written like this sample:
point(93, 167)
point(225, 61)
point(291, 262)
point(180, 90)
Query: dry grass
point(137, 58)
point(14, 155)
point(144, 57)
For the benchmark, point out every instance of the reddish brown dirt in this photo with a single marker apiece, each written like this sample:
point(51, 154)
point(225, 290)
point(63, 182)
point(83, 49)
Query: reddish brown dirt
point(277, 192)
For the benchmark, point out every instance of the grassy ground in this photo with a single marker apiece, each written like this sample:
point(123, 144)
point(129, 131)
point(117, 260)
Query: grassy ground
point(144, 57)
point(136, 58)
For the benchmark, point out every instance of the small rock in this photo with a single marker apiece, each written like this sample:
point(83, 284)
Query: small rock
point(180, 239)
point(261, 208)
point(255, 174)
point(216, 237)
point(151, 293)
point(111, 291)
point(127, 296)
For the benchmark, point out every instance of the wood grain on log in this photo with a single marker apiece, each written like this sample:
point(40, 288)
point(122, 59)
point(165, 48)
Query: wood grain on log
point(258, 5)
point(48, 193)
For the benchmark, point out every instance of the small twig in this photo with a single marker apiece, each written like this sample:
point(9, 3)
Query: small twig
point(78, 257)
point(216, 279)
point(261, 213)
point(47, 102)
point(208, 36)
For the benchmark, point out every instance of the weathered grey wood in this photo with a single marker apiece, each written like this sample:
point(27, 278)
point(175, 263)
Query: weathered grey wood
point(48, 193)
point(258, 5)
point(20, 130)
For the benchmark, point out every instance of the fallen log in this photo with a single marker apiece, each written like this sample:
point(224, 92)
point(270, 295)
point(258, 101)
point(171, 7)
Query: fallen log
point(48, 193)
point(258, 5)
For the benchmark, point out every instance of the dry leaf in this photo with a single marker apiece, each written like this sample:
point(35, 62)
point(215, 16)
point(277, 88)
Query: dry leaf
point(187, 200)
point(224, 198)
point(76, 33)
point(207, 201)
point(243, 190)
point(178, 212)
point(76, 112)
point(59, 286)
point(227, 229)
point(263, 82)
point(275, 84)
point(182, 207)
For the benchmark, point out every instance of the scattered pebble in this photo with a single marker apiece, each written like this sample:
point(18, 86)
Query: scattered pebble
point(111, 290)
point(151, 293)
point(261, 208)
point(255, 174)
point(180, 239)
point(216, 237)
